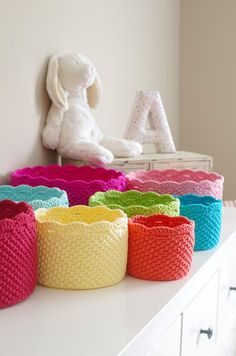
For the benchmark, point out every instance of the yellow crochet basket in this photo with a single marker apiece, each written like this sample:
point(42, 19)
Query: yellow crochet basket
point(81, 247)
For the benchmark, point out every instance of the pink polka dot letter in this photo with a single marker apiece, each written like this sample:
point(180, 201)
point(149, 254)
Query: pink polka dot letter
point(148, 107)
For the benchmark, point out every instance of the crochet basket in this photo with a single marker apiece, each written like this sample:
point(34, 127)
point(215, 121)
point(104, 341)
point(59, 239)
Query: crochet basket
point(78, 182)
point(133, 202)
point(207, 213)
point(81, 247)
point(177, 182)
point(18, 252)
point(37, 197)
point(160, 247)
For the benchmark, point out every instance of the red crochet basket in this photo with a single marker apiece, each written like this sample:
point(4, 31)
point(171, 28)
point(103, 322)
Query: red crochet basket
point(18, 252)
point(79, 182)
point(160, 247)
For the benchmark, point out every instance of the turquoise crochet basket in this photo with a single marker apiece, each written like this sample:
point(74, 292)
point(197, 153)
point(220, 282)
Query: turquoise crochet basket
point(37, 197)
point(206, 211)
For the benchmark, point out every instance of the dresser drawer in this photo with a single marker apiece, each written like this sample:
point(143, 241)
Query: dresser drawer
point(148, 161)
point(200, 321)
point(227, 301)
point(205, 165)
point(130, 167)
point(169, 343)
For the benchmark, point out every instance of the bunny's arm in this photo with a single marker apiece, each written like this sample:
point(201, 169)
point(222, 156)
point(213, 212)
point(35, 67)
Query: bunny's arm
point(51, 131)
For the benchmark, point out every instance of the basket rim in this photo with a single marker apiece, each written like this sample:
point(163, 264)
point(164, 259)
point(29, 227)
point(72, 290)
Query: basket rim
point(26, 213)
point(120, 219)
point(186, 223)
point(218, 177)
point(92, 199)
point(201, 199)
point(24, 172)
point(24, 188)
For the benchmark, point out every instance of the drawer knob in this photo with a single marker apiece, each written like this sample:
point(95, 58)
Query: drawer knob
point(208, 332)
point(232, 288)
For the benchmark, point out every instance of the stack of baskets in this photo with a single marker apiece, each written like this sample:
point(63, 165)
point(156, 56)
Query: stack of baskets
point(95, 224)
point(200, 196)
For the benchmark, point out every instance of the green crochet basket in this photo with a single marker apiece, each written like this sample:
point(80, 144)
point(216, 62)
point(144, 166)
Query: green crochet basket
point(133, 202)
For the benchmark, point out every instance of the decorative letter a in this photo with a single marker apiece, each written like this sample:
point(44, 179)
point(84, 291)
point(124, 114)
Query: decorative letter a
point(148, 107)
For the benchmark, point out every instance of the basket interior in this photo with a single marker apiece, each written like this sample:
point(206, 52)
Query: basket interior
point(174, 175)
point(88, 215)
point(160, 221)
point(9, 209)
point(71, 173)
point(130, 198)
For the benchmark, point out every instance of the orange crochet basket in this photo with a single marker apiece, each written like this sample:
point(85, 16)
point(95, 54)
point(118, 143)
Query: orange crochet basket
point(160, 247)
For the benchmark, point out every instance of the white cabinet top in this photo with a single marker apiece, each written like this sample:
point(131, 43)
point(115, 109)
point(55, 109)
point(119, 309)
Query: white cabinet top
point(104, 321)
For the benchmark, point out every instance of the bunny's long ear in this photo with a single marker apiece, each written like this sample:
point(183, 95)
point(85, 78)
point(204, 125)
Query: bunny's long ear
point(54, 87)
point(94, 92)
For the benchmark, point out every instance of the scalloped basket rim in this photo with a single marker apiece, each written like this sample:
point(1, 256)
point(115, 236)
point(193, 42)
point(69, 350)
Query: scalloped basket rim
point(137, 192)
point(200, 197)
point(21, 173)
point(16, 217)
point(131, 207)
point(123, 217)
point(189, 224)
point(39, 188)
point(217, 176)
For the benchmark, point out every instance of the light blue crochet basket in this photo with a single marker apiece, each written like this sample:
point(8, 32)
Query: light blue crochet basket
point(37, 197)
point(206, 211)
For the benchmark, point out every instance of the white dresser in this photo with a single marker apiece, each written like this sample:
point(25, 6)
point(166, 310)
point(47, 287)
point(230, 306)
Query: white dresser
point(189, 317)
point(177, 160)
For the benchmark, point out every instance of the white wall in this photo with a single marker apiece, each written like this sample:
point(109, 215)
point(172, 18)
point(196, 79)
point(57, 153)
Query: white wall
point(208, 83)
point(134, 44)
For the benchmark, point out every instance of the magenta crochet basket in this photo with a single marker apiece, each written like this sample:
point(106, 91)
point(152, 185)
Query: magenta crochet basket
point(18, 252)
point(177, 182)
point(79, 182)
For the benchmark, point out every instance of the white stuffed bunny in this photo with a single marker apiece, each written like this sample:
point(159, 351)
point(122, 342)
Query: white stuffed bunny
point(74, 87)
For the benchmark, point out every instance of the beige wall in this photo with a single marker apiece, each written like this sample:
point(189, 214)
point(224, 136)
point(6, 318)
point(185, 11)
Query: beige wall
point(134, 44)
point(208, 83)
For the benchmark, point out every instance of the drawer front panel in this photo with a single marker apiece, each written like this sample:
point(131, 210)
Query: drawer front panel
point(130, 167)
point(199, 319)
point(227, 308)
point(169, 344)
point(205, 165)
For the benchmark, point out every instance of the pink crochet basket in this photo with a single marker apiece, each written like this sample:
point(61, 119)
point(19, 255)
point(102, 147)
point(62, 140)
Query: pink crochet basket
point(79, 182)
point(177, 182)
point(18, 252)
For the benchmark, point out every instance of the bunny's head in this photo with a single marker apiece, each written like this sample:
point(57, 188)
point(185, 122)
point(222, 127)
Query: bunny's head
point(72, 73)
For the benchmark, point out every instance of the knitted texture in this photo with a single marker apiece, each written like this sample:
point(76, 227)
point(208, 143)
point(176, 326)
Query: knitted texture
point(18, 252)
point(177, 182)
point(37, 197)
point(160, 247)
point(81, 247)
point(78, 182)
point(133, 202)
point(207, 213)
